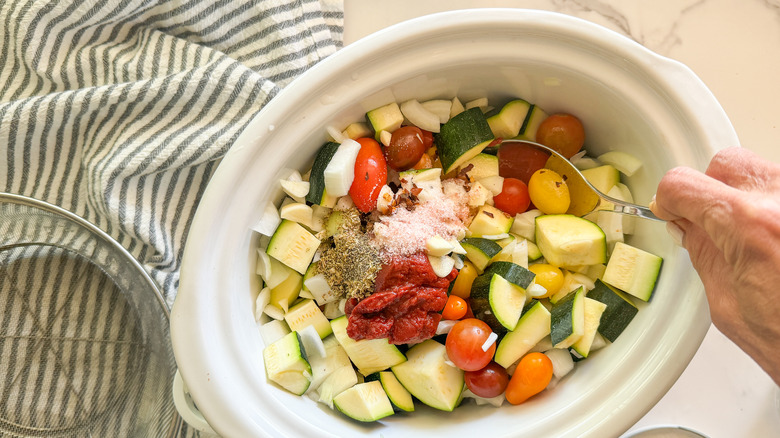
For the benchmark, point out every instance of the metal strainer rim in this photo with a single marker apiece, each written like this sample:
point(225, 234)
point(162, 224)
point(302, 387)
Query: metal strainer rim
point(25, 200)
point(144, 277)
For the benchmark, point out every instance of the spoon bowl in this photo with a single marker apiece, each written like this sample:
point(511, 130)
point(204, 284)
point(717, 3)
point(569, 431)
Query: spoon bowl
point(577, 182)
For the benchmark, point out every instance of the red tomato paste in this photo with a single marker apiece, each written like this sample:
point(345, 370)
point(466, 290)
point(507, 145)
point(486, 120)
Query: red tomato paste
point(406, 304)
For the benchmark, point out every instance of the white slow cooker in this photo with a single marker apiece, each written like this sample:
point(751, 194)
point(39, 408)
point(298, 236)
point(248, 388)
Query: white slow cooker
point(629, 99)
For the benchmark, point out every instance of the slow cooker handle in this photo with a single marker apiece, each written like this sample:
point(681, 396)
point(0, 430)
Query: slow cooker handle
point(187, 409)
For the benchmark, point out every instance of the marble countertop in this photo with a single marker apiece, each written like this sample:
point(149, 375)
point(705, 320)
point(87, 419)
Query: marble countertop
point(734, 47)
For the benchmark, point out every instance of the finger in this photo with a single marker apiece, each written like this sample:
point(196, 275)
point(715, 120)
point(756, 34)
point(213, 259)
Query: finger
point(707, 258)
point(687, 193)
point(743, 169)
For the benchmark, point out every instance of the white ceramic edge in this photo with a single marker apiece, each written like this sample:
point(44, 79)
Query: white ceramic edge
point(196, 302)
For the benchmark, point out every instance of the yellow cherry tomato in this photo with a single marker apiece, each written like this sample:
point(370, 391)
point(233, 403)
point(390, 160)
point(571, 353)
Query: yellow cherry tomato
point(549, 192)
point(466, 276)
point(547, 276)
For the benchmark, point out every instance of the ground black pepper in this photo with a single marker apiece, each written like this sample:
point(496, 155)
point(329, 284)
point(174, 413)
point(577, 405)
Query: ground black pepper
point(349, 261)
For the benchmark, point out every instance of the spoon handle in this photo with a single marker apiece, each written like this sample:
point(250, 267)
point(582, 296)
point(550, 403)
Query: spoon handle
point(632, 209)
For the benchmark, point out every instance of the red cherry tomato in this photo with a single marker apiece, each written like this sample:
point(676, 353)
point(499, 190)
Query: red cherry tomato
point(427, 137)
point(532, 375)
point(513, 198)
point(562, 132)
point(455, 308)
point(487, 382)
point(405, 149)
point(370, 175)
point(464, 344)
point(517, 160)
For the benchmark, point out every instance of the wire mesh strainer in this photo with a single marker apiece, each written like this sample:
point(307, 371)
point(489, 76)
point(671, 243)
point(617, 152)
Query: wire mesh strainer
point(84, 334)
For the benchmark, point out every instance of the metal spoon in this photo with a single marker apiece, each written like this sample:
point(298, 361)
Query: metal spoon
point(575, 179)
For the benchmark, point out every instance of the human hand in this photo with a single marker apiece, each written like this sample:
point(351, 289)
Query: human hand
point(728, 219)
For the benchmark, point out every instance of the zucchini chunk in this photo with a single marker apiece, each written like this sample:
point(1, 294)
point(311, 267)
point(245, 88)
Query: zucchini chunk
point(317, 193)
point(427, 376)
point(497, 301)
point(308, 313)
point(568, 319)
point(286, 364)
point(337, 382)
point(593, 311)
point(480, 251)
point(293, 245)
point(482, 166)
point(364, 402)
point(603, 178)
point(385, 118)
point(400, 398)
point(633, 270)
point(619, 312)
point(287, 291)
point(567, 240)
point(512, 272)
point(531, 123)
point(368, 355)
point(490, 221)
point(534, 325)
point(508, 121)
point(463, 137)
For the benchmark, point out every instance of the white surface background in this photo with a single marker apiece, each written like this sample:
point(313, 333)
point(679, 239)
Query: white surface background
point(734, 47)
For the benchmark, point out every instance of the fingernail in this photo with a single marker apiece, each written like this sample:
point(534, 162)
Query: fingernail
point(675, 232)
point(652, 204)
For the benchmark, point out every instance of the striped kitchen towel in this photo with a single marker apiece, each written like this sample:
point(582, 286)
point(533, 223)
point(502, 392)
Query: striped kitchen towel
point(120, 110)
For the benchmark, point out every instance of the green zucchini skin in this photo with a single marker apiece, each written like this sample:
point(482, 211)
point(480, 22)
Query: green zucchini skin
point(317, 178)
point(462, 137)
point(563, 316)
point(513, 273)
point(479, 301)
point(619, 313)
point(480, 251)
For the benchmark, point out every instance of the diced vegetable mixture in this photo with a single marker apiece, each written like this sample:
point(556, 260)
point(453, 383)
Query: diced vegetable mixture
point(420, 249)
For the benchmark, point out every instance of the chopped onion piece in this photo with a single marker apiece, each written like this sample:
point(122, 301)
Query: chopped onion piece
point(445, 326)
point(335, 134)
point(561, 361)
point(263, 298)
point(274, 312)
point(495, 236)
point(297, 212)
point(442, 266)
point(458, 262)
point(440, 107)
point(520, 253)
point(457, 107)
point(419, 116)
point(273, 330)
point(438, 246)
point(312, 343)
point(340, 171)
point(270, 220)
point(578, 155)
point(482, 102)
point(626, 163)
point(489, 341)
point(496, 401)
point(305, 294)
point(295, 189)
point(457, 248)
point(536, 290)
point(319, 288)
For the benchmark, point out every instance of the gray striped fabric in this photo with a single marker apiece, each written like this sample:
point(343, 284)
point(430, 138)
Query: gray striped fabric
point(120, 110)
